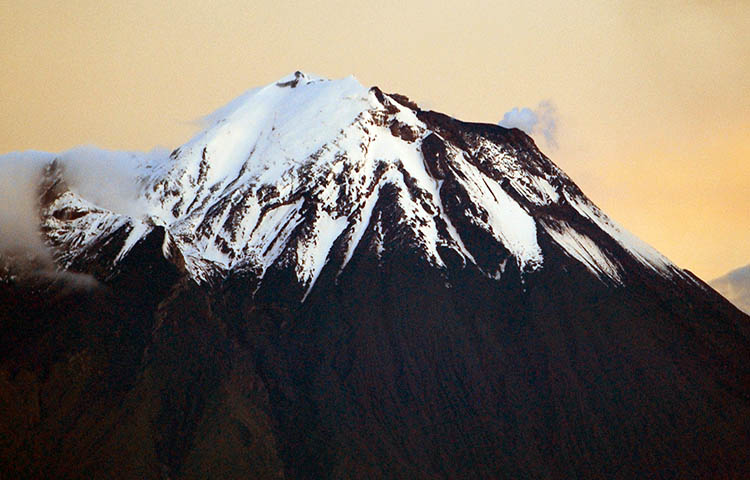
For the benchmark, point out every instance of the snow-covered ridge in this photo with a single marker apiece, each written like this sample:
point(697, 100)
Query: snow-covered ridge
point(295, 174)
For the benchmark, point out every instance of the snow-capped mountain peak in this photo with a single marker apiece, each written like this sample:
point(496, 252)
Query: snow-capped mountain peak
point(307, 171)
point(330, 282)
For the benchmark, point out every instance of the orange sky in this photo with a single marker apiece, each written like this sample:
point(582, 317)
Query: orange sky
point(652, 97)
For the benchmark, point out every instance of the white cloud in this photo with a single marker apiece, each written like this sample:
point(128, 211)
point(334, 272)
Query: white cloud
point(542, 120)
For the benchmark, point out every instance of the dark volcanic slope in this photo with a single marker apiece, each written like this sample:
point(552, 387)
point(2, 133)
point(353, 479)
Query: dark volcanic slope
point(591, 357)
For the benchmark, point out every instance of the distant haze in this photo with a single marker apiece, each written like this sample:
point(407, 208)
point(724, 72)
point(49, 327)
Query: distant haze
point(735, 286)
point(651, 97)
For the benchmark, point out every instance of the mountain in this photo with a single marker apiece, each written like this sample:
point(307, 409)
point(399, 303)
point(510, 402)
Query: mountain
point(735, 285)
point(330, 282)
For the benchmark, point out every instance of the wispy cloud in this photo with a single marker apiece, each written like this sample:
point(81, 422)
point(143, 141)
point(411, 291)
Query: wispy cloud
point(542, 120)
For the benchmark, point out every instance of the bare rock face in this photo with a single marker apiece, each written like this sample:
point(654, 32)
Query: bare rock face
point(329, 282)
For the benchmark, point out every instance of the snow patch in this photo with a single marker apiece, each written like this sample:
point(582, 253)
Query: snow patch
point(506, 220)
point(638, 249)
point(139, 230)
point(313, 255)
point(585, 250)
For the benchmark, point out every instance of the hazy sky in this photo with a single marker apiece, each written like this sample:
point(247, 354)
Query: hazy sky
point(651, 98)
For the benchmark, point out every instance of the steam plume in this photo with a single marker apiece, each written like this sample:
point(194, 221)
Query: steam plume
point(542, 120)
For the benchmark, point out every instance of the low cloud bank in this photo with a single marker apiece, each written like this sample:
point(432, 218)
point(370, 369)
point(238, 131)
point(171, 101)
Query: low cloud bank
point(20, 174)
point(107, 179)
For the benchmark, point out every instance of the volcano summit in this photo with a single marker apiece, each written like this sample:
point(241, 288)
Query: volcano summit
point(330, 282)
